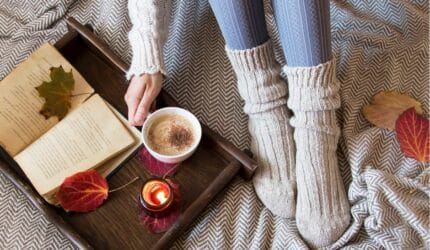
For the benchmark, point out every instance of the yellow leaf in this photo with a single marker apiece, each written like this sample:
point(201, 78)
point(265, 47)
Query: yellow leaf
point(386, 107)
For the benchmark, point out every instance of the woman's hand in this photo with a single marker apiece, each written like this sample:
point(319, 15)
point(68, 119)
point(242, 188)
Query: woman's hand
point(141, 93)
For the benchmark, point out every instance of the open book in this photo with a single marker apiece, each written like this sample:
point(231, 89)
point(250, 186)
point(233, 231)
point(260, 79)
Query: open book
point(93, 135)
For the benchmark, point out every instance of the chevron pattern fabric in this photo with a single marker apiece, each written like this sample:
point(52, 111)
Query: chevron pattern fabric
point(22, 226)
point(379, 45)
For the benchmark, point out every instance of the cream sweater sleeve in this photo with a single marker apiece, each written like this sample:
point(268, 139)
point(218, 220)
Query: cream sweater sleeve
point(147, 36)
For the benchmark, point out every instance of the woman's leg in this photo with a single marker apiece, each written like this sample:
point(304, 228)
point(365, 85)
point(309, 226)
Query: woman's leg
point(241, 22)
point(249, 50)
point(304, 29)
point(322, 205)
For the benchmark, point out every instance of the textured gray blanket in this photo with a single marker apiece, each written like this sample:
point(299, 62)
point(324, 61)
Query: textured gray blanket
point(380, 45)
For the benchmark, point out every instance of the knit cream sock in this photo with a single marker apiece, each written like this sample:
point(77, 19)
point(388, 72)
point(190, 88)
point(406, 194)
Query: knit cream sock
point(322, 206)
point(271, 136)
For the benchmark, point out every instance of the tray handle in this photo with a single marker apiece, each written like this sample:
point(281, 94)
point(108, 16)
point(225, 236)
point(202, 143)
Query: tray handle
point(87, 34)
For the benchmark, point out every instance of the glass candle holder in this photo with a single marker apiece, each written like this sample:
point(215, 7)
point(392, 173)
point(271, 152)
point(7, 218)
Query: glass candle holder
point(159, 204)
point(156, 196)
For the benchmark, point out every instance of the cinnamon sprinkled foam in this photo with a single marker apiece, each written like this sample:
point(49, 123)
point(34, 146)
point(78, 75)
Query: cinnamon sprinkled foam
point(170, 134)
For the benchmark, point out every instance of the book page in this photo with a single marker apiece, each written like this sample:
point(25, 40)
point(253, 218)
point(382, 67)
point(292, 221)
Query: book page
point(107, 168)
point(85, 139)
point(111, 165)
point(20, 121)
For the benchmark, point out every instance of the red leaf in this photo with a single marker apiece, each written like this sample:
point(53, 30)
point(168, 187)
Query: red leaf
point(413, 134)
point(162, 223)
point(155, 167)
point(83, 192)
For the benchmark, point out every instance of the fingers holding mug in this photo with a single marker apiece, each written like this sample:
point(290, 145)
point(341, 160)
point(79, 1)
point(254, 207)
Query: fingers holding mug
point(141, 93)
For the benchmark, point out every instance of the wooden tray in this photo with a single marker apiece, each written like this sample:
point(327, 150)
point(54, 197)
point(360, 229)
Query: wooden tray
point(115, 224)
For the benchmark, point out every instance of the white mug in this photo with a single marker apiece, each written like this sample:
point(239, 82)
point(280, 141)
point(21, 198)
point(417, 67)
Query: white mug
point(197, 131)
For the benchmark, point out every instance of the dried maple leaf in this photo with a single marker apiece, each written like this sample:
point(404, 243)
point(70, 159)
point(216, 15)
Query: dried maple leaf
point(412, 131)
point(57, 93)
point(83, 192)
point(156, 167)
point(385, 108)
point(162, 223)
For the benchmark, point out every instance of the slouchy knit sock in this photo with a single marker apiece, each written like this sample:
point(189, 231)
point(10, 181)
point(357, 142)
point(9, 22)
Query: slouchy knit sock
point(322, 206)
point(265, 96)
point(241, 21)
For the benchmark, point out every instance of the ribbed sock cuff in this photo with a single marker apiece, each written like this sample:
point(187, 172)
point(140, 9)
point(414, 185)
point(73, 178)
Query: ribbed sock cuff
point(318, 121)
point(249, 60)
point(258, 78)
point(313, 88)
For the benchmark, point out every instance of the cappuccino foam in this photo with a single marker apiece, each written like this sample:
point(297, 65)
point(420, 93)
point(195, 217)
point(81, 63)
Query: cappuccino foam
point(170, 134)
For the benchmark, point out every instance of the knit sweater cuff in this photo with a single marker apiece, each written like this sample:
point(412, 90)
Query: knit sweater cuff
point(147, 54)
point(148, 35)
point(313, 88)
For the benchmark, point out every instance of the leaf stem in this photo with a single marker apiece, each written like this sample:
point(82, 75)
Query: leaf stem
point(170, 171)
point(123, 186)
point(80, 94)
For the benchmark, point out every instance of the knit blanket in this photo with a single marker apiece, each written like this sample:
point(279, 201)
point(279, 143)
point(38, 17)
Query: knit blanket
point(379, 45)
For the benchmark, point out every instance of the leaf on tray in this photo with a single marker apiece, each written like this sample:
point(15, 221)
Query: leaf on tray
point(385, 108)
point(412, 131)
point(57, 93)
point(83, 192)
point(156, 167)
point(163, 222)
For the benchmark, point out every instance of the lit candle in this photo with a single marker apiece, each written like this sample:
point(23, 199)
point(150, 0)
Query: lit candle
point(156, 195)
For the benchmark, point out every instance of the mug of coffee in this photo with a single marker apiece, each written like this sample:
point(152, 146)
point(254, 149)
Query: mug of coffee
point(171, 134)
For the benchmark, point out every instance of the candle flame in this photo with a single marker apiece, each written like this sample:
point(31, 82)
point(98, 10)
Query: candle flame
point(161, 196)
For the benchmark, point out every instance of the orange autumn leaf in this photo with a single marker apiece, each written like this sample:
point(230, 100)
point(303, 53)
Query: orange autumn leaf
point(83, 192)
point(386, 106)
point(412, 131)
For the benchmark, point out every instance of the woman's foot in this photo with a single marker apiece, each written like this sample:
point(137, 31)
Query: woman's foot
point(272, 137)
point(322, 206)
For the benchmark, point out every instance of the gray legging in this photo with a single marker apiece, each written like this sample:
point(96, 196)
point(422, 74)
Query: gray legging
point(303, 25)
